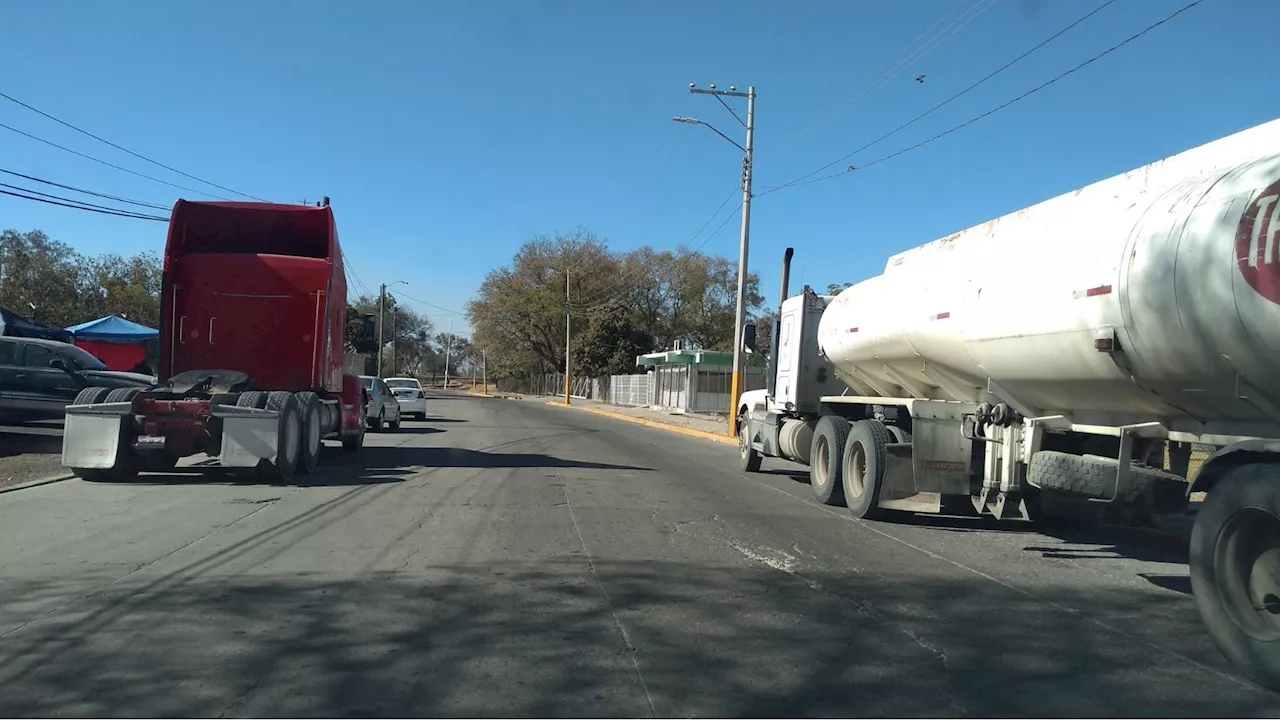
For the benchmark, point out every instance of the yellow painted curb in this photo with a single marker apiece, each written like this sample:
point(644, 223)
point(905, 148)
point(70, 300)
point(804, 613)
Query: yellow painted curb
point(714, 437)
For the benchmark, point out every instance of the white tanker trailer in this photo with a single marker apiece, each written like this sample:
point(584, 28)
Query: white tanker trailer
point(1051, 360)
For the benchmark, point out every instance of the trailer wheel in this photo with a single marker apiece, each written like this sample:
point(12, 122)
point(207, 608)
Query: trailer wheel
point(252, 399)
point(1235, 569)
point(864, 462)
point(1095, 477)
point(748, 457)
point(826, 460)
point(288, 440)
point(309, 407)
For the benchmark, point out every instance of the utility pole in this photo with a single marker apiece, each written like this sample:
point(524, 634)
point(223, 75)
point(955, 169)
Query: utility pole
point(395, 364)
point(567, 317)
point(448, 349)
point(747, 167)
point(382, 304)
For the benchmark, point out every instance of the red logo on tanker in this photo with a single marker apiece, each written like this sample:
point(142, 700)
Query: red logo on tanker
point(1258, 243)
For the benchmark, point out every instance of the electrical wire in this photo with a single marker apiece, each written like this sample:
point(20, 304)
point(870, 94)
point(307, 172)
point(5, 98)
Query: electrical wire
point(902, 65)
point(118, 199)
point(423, 302)
point(631, 282)
point(121, 148)
point(930, 111)
point(76, 205)
point(998, 108)
point(86, 156)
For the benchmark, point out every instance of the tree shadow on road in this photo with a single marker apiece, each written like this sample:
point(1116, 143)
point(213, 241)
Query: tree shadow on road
point(538, 639)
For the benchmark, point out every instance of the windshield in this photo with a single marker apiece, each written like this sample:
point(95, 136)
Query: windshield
point(403, 383)
point(81, 359)
point(368, 381)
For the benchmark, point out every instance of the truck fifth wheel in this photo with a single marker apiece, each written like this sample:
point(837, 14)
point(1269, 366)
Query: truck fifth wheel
point(253, 306)
point(1061, 359)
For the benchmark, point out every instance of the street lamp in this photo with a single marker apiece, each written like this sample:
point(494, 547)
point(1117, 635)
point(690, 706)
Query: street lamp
point(382, 305)
point(741, 309)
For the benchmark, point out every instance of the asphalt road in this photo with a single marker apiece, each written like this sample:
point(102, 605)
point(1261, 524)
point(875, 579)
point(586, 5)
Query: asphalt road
point(511, 559)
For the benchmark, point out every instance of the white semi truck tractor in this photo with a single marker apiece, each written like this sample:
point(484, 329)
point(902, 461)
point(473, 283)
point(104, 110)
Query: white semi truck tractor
point(1061, 359)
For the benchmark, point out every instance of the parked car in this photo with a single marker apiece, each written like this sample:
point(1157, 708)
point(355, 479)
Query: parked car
point(40, 378)
point(382, 406)
point(410, 396)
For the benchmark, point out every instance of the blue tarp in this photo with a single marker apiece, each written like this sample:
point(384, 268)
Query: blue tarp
point(12, 324)
point(113, 329)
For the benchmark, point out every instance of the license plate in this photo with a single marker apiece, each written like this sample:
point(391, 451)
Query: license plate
point(149, 442)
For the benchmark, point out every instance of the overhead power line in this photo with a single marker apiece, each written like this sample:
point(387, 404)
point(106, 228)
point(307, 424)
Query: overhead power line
point(996, 109)
point(86, 156)
point(118, 199)
point(77, 205)
point(429, 305)
point(633, 280)
point(948, 101)
point(121, 148)
point(897, 68)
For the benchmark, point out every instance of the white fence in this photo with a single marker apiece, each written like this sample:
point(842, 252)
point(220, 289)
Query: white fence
point(677, 388)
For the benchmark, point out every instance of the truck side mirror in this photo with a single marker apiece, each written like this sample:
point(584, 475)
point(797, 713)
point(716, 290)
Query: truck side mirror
point(749, 337)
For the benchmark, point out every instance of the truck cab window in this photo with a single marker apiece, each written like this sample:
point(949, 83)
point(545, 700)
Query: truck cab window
point(8, 353)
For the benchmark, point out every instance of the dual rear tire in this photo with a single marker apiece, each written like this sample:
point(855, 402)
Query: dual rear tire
point(847, 462)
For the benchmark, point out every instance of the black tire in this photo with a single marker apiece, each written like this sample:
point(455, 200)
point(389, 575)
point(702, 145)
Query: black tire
point(312, 431)
point(826, 460)
point(252, 399)
point(288, 439)
point(375, 425)
point(1233, 576)
point(420, 416)
point(89, 396)
point(121, 395)
point(865, 456)
point(1095, 477)
point(354, 443)
point(748, 457)
point(396, 425)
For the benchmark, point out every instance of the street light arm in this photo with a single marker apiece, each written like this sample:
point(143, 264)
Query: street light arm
point(695, 121)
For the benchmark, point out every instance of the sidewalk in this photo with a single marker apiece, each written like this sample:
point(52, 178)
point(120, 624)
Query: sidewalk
point(692, 424)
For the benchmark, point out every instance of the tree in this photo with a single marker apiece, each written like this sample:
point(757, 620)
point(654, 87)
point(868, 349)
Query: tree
point(835, 288)
point(610, 342)
point(662, 296)
point(406, 335)
point(50, 282)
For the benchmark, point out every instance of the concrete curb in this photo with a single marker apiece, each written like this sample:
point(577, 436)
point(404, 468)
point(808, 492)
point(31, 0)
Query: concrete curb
point(502, 396)
point(713, 437)
point(38, 482)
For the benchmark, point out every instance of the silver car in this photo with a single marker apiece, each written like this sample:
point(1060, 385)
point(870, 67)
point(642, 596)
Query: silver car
point(382, 406)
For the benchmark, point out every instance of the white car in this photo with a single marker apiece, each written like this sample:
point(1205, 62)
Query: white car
point(408, 391)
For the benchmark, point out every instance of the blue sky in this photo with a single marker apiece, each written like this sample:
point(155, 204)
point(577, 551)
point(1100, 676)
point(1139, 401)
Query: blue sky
point(447, 134)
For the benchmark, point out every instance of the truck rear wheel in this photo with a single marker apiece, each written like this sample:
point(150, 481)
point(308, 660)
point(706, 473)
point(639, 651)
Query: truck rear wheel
point(309, 407)
point(288, 438)
point(864, 461)
point(1235, 569)
point(826, 460)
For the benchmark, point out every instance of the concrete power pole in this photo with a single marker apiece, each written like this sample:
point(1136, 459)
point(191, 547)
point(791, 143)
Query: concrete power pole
point(567, 317)
point(747, 167)
point(382, 305)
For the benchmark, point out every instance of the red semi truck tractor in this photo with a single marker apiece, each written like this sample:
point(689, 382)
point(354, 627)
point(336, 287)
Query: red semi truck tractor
point(253, 320)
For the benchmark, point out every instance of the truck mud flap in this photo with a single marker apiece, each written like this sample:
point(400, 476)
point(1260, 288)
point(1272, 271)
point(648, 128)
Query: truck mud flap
point(91, 434)
point(249, 435)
